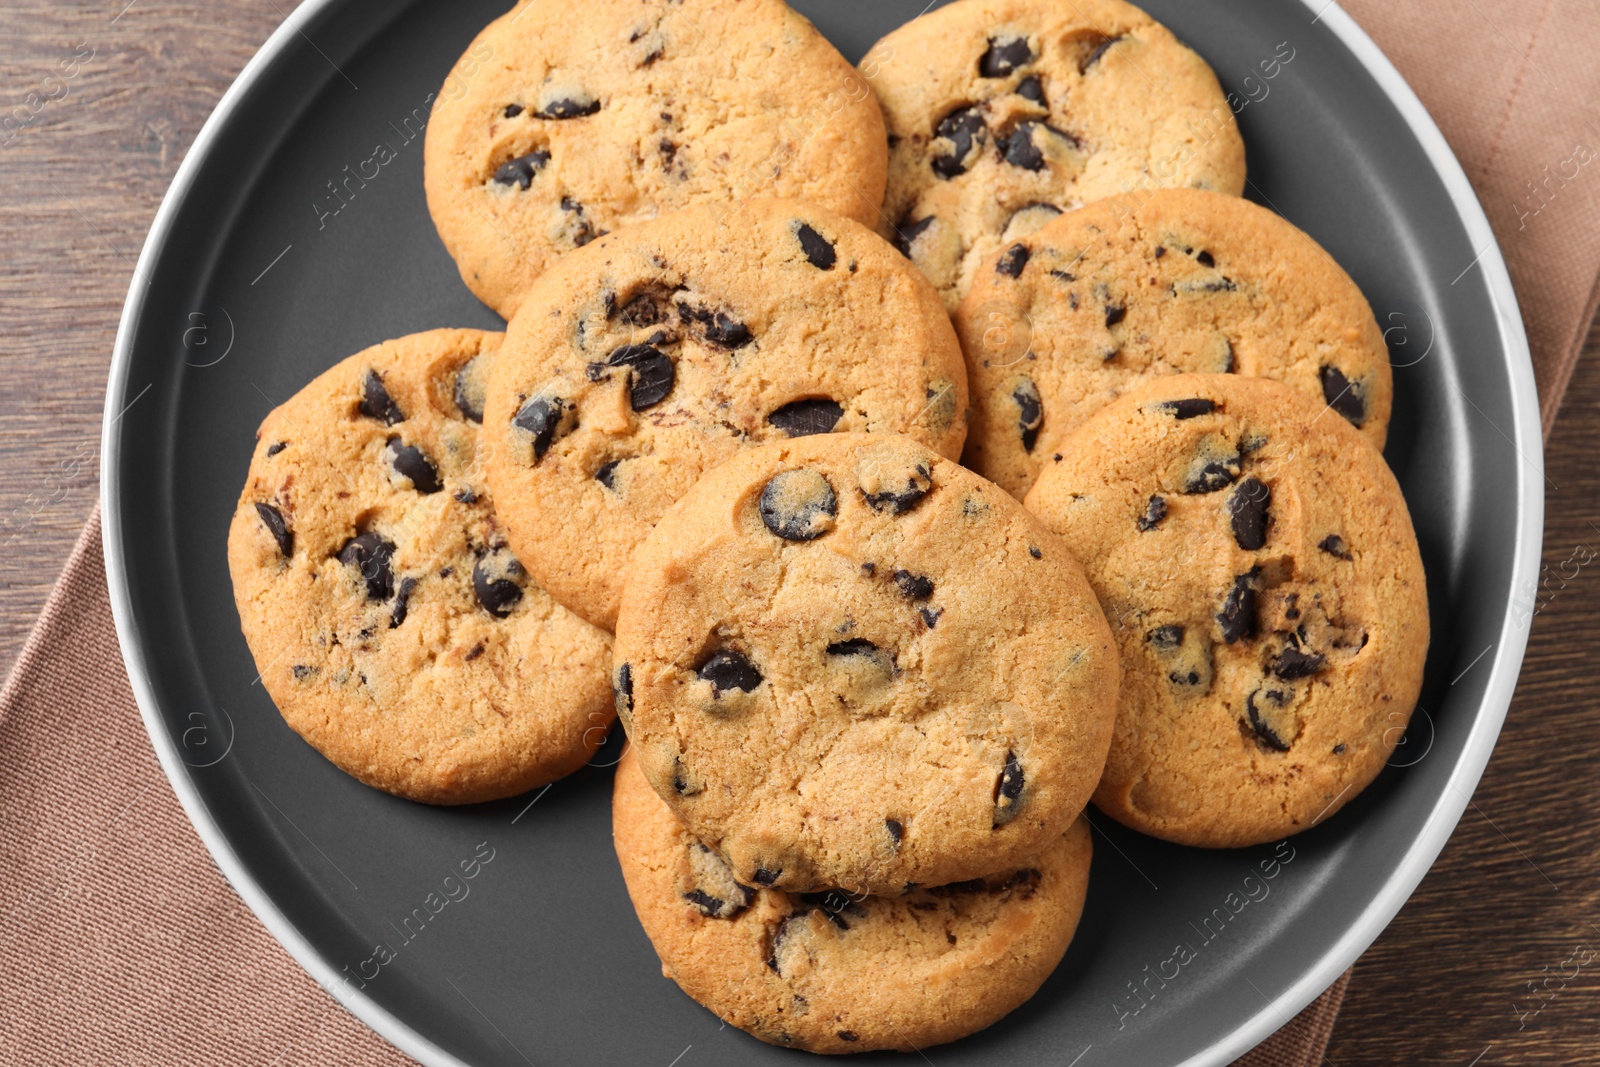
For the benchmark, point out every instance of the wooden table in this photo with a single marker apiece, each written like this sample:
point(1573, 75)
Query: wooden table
point(1495, 960)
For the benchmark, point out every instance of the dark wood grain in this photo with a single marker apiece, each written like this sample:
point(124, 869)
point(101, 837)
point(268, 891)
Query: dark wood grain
point(1513, 900)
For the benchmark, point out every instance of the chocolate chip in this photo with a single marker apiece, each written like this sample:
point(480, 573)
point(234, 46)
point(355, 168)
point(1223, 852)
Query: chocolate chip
point(622, 691)
point(716, 892)
point(848, 1035)
point(1165, 638)
point(899, 492)
point(1015, 258)
point(1019, 150)
point(869, 569)
point(469, 389)
point(1215, 466)
point(856, 646)
point(466, 496)
point(965, 129)
point(896, 828)
point(799, 505)
point(1115, 313)
point(1204, 259)
point(652, 373)
point(1154, 512)
point(376, 402)
point(512, 110)
point(1334, 546)
point(913, 586)
point(402, 602)
point(764, 877)
point(730, 669)
point(607, 474)
point(371, 555)
point(274, 449)
point(1238, 615)
point(819, 251)
point(1187, 409)
point(520, 171)
point(802, 418)
point(540, 417)
point(930, 616)
point(1292, 663)
point(302, 672)
point(494, 583)
point(582, 230)
point(1338, 750)
point(1248, 505)
point(272, 519)
point(411, 462)
point(1263, 731)
point(1008, 791)
point(1029, 219)
point(907, 232)
point(1030, 88)
point(1095, 47)
point(1004, 56)
point(1343, 396)
point(567, 108)
point(1030, 411)
point(718, 327)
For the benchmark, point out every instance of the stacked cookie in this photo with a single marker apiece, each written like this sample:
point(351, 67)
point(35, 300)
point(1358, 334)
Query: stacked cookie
point(868, 690)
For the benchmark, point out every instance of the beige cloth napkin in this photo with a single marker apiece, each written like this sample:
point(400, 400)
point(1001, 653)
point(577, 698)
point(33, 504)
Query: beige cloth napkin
point(122, 943)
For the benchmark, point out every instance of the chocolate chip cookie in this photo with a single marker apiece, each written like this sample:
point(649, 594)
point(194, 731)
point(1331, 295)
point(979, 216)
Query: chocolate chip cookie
point(1157, 282)
point(830, 972)
point(569, 119)
point(1258, 566)
point(392, 625)
point(846, 662)
point(1003, 114)
point(656, 353)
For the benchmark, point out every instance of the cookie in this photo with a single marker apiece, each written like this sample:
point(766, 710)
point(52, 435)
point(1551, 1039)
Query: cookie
point(654, 354)
point(846, 662)
point(836, 973)
point(1258, 566)
point(1158, 282)
point(569, 119)
point(392, 626)
point(1003, 114)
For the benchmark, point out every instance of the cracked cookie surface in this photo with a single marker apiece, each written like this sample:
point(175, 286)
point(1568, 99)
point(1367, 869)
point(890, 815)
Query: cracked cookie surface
point(1158, 282)
point(1258, 566)
point(393, 627)
point(565, 120)
point(846, 662)
point(833, 973)
point(654, 354)
point(1002, 114)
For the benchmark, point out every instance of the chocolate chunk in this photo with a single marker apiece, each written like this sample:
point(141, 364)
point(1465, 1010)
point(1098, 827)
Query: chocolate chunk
point(1248, 505)
point(1115, 313)
point(1165, 638)
point(1334, 546)
point(274, 449)
point(1030, 411)
point(1215, 466)
point(1034, 552)
point(371, 555)
point(1154, 512)
point(930, 616)
point(402, 602)
point(856, 646)
point(540, 417)
point(819, 251)
point(1238, 615)
point(907, 232)
point(1338, 750)
point(715, 890)
point(622, 691)
point(1292, 663)
point(799, 505)
point(913, 586)
point(1011, 263)
point(1004, 56)
point(896, 828)
point(652, 373)
point(898, 495)
point(376, 402)
point(764, 877)
point(607, 474)
point(1263, 731)
point(802, 418)
point(1204, 259)
point(411, 462)
point(494, 582)
point(512, 111)
point(1030, 88)
point(718, 327)
point(520, 171)
point(1019, 150)
point(1187, 409)
point(272, 519)
point(1095, 47)
point(469, 388)
point(1008, 791)
point(965, 129)
point(730, 669)
point(1343, 395)
point(567, 108)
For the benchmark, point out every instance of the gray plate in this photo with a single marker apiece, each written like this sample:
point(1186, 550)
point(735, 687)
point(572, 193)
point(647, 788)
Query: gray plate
point(245, 291)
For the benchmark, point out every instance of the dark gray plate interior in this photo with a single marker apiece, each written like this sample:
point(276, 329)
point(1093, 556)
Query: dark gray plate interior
point(259, 287)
